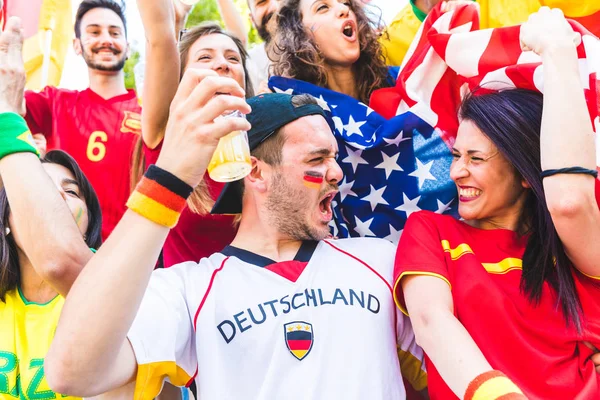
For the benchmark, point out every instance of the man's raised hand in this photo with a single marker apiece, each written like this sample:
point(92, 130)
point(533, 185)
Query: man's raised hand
point(192, 133)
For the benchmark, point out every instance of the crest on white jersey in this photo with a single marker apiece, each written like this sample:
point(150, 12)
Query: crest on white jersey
point(299, 338)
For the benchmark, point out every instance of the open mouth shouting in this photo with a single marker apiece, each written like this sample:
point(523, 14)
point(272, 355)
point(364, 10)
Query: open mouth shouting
point(349, 30)
point(325, 206)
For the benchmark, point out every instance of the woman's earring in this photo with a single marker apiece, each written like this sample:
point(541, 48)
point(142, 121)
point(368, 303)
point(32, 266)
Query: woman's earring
point(7, 231)
point(84, 238)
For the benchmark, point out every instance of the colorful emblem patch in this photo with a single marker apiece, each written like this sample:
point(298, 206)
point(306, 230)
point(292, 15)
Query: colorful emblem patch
point(132, 123)
point(299, 338)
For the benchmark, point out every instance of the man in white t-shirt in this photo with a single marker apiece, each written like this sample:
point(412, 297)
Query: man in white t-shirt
point(281, 313)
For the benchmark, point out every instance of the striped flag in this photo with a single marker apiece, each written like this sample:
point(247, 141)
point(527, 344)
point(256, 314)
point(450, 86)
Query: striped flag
point(450, 52)
point(43, 20)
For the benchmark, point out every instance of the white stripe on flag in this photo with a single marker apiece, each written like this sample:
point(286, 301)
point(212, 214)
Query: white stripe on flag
point(422, 82)
point(465, 50)
point(592, 52)
point(527, 57)
point(497, 80)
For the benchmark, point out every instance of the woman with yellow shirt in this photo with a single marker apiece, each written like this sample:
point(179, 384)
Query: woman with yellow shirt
point(30, 305)
point(44, 245)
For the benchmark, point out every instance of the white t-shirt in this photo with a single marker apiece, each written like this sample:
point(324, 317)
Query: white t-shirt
point(258, 65)
point(323, 326)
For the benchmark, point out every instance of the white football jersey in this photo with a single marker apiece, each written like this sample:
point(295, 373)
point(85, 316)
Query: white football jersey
point(323, 326)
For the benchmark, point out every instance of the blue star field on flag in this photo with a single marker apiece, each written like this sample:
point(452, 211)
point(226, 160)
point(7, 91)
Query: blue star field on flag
point(392, 168)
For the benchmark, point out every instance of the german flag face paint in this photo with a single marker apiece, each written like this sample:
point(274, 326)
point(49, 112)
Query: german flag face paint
point(313, 180)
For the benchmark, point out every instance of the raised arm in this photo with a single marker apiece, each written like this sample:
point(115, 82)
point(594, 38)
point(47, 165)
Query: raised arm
point(104, 300)
point(182, 12)
point(233, 20)
point(47, 230)
point(567, 139)
point(161, 75)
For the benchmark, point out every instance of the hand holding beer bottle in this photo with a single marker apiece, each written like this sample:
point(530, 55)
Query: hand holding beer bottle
point(194, 127)
point(231, 160)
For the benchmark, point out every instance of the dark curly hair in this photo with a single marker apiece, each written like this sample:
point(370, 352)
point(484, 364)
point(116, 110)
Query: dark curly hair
point(296, 55)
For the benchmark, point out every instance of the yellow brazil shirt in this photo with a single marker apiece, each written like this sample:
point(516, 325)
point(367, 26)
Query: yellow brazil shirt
point(400, 32)
point(26, 331)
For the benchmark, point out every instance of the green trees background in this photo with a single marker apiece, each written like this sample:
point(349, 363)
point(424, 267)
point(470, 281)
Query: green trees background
point(204, 10)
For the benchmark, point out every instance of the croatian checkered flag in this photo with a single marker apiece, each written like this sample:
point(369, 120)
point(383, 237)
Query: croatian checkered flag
point(392, 168)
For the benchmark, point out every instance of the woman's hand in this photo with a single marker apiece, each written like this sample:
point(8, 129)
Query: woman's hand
point(181, 13)
point(547, 28)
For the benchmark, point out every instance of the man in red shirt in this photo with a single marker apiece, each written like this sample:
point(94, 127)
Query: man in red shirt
point(97, 126)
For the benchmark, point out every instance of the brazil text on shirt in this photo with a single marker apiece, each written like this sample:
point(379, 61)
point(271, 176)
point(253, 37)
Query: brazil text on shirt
point(9, 363)
point(244, 320)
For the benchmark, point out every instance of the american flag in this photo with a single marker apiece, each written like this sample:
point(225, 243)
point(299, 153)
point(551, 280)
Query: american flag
point(395, 152)
point(392, 168)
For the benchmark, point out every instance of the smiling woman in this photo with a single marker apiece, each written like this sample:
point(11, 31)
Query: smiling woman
point(508, 297)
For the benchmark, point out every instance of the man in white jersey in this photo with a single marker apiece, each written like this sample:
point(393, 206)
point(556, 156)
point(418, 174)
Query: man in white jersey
point(281, 313)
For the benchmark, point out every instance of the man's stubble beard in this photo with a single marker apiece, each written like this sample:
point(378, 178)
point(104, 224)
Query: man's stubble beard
point(287, 212)
point(263, 29)
point(264, 33)
point(115, 67)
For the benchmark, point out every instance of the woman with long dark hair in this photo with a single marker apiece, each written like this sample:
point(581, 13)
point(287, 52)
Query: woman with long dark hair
point(15, 268)
point(505, 302)
point(329, 43)
point(205, 47)
point(32, 288)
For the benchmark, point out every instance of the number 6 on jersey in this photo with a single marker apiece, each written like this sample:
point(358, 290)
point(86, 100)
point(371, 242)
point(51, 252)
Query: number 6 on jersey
point(96, 149)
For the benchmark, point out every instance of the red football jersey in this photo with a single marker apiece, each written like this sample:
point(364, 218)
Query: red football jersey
point(531, 344)
point(195, 236)
point(99, 134)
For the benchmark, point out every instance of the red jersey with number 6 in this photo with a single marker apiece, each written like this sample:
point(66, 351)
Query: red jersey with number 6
point(99, 133)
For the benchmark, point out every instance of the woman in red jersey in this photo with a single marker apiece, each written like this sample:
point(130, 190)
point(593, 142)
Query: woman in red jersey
point(214, 52)
point(506, 302)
